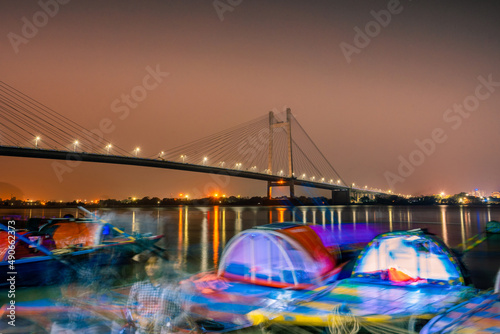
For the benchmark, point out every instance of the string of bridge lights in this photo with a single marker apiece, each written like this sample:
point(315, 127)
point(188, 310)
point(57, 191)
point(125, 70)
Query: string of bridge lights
point(237, 166)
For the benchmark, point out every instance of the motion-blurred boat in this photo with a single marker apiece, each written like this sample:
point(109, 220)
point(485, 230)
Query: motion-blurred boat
point(262, 265)
point(54, 250)
point(400, 280)
point(480, 314)
point(493, 226)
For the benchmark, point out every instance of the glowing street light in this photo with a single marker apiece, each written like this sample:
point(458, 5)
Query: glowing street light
point(222, 163)
point(74, 145)
point(160, 155)
point(304, 175)
point(205, 160)
point(183, 157)
point(107, 148)
point(322, 179)
point(137, 149)
point(312, 178)
point(238, 165)
point(36, 141)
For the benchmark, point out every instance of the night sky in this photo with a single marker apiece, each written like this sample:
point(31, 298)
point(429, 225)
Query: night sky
point(396, 94)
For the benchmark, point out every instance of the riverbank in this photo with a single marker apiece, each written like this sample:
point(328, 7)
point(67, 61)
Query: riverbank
point(148, 202)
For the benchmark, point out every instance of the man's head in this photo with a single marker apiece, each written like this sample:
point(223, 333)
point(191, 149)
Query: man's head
point(154, 266)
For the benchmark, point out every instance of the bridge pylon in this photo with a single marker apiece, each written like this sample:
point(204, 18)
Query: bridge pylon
point(287, 125)
point(341, 196)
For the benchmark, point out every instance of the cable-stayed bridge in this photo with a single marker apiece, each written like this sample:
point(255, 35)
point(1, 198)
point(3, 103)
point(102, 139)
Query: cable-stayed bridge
point(273, 148)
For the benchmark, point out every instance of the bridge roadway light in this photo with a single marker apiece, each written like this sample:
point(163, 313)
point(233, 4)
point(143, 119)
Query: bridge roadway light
point(36, 141)
point(205, 160)
point(107, 148)
point(74, 145)
point(304, 175)
point(183, 157)
point(238, 165)
point(322, 179)
point(160, 155)
point(137, 149)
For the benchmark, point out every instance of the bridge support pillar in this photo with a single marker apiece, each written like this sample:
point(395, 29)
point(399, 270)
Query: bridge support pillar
point(271, 184)
point(341, 196)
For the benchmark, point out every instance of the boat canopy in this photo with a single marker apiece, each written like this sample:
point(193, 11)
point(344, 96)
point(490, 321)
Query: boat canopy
point(278, 255)
point(80, 232)
point(410, 256)
point(22, 249)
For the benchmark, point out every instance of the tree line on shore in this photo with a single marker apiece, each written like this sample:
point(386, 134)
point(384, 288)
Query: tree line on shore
point(457, 199)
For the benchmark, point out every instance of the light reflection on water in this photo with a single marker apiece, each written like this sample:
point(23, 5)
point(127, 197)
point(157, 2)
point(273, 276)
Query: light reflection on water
point(196, 236)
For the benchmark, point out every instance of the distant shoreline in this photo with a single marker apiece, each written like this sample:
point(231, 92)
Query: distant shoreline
point(461, 199)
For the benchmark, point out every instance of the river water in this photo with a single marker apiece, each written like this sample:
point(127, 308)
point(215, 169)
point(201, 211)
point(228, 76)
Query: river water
point(195, 236)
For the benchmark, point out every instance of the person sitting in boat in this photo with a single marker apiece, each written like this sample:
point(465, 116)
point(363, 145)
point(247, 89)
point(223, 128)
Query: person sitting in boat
point(156, 303)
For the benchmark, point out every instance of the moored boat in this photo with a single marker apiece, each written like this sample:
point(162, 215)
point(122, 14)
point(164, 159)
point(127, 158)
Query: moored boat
point(480, 314)
point(262, 265)
point(53, 250)
point(400, 280)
